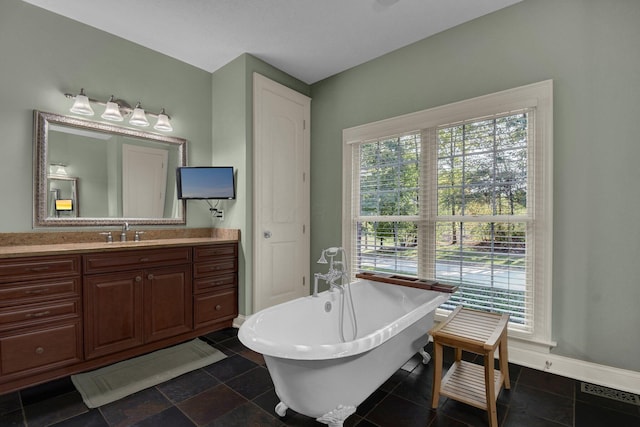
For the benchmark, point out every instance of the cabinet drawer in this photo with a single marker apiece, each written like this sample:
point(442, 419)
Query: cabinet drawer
point(39, 290)
point(28, 315)
point(39, 350)
point(126, 260)
point(204, 269)
point(209, 283)
point(215, 306)
point(208, 253)
point(39, 268)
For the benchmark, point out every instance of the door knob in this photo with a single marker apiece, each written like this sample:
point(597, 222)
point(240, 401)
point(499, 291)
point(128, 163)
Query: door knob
point(267, 234)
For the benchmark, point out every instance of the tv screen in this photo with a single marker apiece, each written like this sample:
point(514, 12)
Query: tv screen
point(206, 182)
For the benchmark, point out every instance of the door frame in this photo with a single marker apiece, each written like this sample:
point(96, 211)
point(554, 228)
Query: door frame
point(260, 83)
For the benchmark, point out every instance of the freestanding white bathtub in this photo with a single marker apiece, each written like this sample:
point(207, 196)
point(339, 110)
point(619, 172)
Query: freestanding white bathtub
point(316, 374)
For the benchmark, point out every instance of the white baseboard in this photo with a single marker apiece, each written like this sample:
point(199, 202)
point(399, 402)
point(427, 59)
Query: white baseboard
point(619, 379)
point(238, 321)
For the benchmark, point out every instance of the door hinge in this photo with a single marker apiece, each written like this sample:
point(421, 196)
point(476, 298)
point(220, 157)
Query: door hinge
point(304, 124)
point(304, 280)
point(304, 228)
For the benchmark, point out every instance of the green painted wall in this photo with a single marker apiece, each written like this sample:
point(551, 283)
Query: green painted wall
point(590, 49)
point(43, 55)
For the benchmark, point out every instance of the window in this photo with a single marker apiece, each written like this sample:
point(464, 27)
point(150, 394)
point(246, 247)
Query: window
point(389, 182)
point(460, 193)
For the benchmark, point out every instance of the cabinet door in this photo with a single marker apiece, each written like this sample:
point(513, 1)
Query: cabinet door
point(167, 302)
point(113, 312)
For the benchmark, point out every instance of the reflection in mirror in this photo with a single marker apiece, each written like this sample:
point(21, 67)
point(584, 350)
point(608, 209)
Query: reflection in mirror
point(63, 196)
point(119, 174)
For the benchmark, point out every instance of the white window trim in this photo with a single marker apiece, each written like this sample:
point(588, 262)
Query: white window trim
point(538, 95)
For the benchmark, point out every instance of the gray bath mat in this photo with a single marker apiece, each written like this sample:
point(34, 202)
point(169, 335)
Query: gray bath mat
point(116, 381)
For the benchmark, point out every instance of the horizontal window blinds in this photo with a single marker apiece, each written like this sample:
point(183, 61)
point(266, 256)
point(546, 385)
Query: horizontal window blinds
point(482, 221)
point(452, 203)
point(387, 204)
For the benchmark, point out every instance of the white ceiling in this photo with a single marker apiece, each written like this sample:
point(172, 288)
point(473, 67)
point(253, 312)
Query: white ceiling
point(308, 39)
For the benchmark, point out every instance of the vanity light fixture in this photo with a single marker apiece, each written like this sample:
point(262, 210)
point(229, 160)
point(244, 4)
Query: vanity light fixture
point(139, 118)
point(58, 169)
point(82, 105)
point(117, 109)
point(112, 111)
point(163, 122)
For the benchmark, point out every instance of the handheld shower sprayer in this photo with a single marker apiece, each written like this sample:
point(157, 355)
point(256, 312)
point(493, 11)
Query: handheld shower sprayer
point(330, 252)
point(337, 271)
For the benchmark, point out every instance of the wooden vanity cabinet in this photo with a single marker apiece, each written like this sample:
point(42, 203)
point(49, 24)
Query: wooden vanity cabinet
point(215, 271)
point(64, 314)
point(139, 301)
point(40, 315)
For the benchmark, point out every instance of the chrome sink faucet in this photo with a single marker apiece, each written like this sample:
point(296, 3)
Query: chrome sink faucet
point(123, 234)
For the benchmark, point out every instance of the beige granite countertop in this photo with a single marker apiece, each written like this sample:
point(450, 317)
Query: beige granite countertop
point(14, 245)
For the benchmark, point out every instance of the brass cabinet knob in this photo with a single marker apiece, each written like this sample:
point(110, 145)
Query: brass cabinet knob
point(38, 314)
point(138, 279)
point(36, 291)
point(39, 350)
point(218, 307)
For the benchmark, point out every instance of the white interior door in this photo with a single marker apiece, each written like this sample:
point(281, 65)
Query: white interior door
point(144, 181)
point(281, 193)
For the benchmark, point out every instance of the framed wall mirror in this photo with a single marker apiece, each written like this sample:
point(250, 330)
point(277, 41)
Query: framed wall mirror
point(115, 173)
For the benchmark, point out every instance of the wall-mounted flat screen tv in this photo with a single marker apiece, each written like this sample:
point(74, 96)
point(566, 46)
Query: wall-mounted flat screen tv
point(206, 182)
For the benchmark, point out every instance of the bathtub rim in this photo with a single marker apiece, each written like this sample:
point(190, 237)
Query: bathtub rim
point(248, 336)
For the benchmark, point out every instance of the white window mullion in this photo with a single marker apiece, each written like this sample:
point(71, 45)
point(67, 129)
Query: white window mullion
point(388, 218)
point(354, 204)
point(429, 205)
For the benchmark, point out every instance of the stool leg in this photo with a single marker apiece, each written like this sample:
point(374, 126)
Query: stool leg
point(437, 374)
point(504, 361)
point(490, 389)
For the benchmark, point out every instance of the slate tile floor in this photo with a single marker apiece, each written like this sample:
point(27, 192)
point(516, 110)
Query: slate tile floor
point(238, 392)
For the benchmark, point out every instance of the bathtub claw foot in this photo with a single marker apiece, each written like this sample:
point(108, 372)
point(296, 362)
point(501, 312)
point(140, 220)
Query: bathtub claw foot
point(281, 409)
point(337, 417)
point(426, 357)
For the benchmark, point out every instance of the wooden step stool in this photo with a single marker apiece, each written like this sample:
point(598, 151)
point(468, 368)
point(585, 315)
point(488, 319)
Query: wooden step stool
point(481, 333)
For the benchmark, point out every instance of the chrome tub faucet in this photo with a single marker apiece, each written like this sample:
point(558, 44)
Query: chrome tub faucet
point(336, 270)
